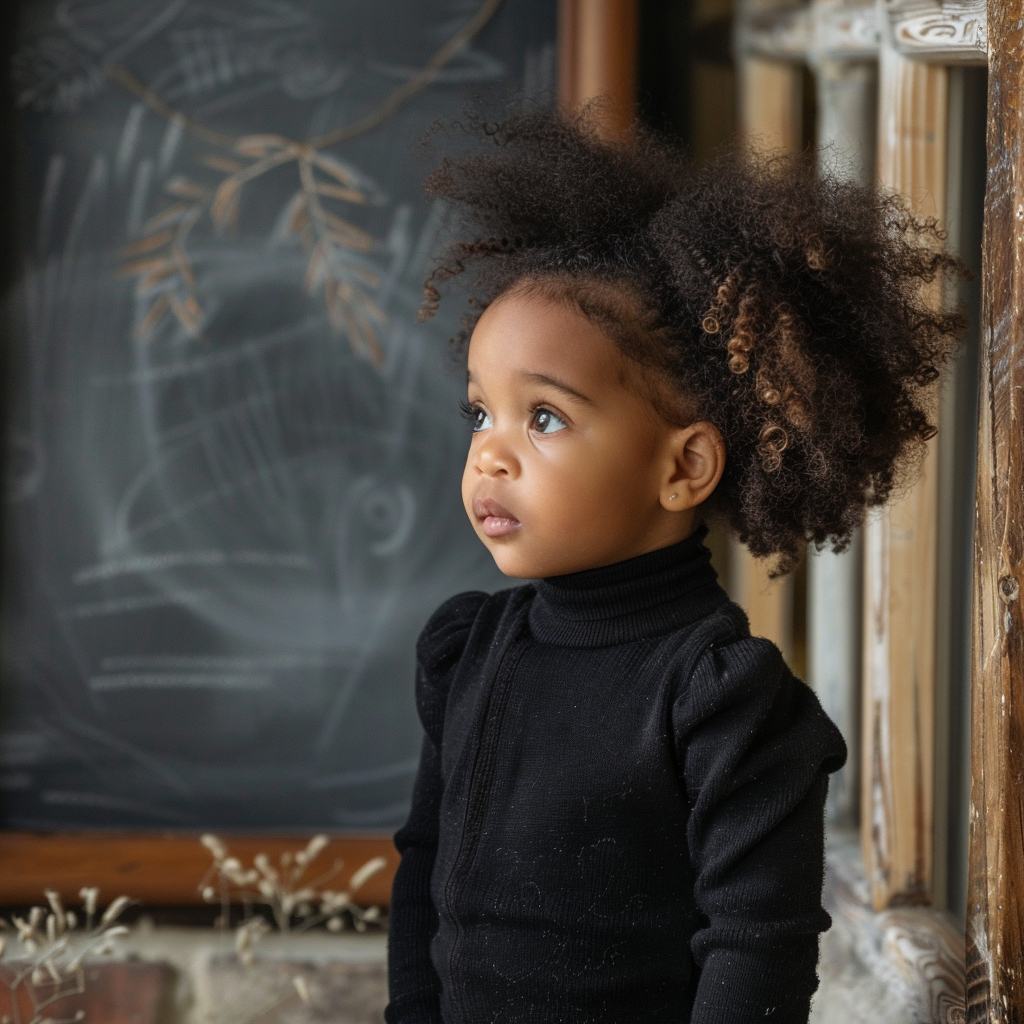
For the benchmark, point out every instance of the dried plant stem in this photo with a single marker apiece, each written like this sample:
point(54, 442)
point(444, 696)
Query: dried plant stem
point(54, 969)
point(165, 269)
point(416, 84)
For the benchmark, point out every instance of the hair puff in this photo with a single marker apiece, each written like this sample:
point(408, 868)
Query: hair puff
point(800, 313)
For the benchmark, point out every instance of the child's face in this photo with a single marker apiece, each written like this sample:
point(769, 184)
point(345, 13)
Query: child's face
point(570, 467)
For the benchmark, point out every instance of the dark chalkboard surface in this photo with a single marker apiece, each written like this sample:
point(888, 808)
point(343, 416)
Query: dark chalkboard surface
point(233, 457)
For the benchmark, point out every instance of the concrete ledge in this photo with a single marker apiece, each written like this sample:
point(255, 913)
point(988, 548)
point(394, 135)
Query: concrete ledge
point(345, 976)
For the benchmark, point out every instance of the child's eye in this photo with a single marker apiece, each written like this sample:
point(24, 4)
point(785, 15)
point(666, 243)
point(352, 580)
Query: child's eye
point(477, 416)
point(546, 422)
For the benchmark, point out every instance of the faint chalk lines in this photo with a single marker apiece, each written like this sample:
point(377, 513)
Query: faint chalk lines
point(213, 663)
point(117, 605)
point(144, 564)
point(178, 681)
point(74, 799)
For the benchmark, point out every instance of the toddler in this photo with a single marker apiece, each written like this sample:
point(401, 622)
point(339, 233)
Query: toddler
point(618, 814)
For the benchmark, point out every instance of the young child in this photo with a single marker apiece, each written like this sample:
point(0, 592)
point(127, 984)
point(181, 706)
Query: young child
point(618, 815)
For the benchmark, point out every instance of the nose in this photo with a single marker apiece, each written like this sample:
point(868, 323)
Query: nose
point(493, 456)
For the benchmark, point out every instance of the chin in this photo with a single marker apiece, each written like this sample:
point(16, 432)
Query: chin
point(522, 565)
point(510, 558)
point(513, 566)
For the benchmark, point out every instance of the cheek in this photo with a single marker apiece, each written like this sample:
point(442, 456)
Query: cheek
point(599, 483)
point(467, 483)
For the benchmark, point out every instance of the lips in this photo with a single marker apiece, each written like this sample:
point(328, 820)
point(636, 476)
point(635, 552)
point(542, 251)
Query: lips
point(494, 519)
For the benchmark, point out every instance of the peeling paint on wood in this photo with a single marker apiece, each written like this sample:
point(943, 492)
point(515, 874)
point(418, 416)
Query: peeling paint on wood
point(995, 929)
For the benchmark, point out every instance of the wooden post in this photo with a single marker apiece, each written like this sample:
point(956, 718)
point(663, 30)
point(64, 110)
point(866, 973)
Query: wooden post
point(597, 48)
point(900, 552)
point(995, 929)
point(770, 94)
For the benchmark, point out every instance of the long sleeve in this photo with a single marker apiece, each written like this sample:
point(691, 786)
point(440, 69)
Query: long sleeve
point(413, 985)
point(755, 749)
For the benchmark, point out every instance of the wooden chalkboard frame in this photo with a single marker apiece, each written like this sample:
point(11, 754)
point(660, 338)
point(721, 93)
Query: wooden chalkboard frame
point(596, 50)
point(163, 870)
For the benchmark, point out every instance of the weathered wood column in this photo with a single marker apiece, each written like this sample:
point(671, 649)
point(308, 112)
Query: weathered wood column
point(897, 765)
point(995, 918)
point(770, 116)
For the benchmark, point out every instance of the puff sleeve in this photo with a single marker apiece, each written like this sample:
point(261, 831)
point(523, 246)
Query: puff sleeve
point(413, 986)
point(755, 749)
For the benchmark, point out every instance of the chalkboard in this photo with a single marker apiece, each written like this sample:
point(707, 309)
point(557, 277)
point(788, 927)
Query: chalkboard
point(233, 456)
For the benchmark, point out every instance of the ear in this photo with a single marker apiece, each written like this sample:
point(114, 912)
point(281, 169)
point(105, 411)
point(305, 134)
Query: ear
point(693, 465)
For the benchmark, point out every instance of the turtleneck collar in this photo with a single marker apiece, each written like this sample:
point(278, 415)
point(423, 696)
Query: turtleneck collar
point(645, 596)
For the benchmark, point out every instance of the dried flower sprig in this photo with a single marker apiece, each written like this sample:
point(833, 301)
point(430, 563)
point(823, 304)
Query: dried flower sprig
point(45, 961)
point(295, 902)
point(166, 283)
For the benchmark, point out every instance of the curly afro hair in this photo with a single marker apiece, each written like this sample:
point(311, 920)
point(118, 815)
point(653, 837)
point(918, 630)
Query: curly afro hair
point(801, 314)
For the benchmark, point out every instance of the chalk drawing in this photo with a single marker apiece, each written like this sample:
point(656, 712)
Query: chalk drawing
point(233, 472)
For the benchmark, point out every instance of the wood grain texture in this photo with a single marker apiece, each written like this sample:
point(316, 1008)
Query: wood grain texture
point(161, 870)
point(597, 56)
point(995, 912)
point(897, 763)
point(949, 31)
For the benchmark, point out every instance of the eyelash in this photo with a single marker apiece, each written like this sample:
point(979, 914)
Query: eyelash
point(469, 411)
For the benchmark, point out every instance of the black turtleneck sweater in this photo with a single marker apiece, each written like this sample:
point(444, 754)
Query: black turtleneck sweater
point(618, 815)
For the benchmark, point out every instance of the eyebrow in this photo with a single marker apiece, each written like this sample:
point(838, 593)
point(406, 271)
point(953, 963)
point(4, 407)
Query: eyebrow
point(543, 378)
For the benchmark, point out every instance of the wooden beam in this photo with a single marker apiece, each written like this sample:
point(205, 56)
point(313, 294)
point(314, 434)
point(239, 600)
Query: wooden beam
point(770, 103)
point(768, 603)
point(770, 116)
point(900, 552)
point(597, 56)
point(995, 917)
point(162, 870)
point(947, 31)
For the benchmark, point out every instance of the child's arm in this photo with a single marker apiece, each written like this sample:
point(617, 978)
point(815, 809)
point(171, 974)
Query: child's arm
point(413, 985)
point(755, 749)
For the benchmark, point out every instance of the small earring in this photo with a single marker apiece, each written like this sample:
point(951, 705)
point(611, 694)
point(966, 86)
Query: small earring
point(672, 497)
